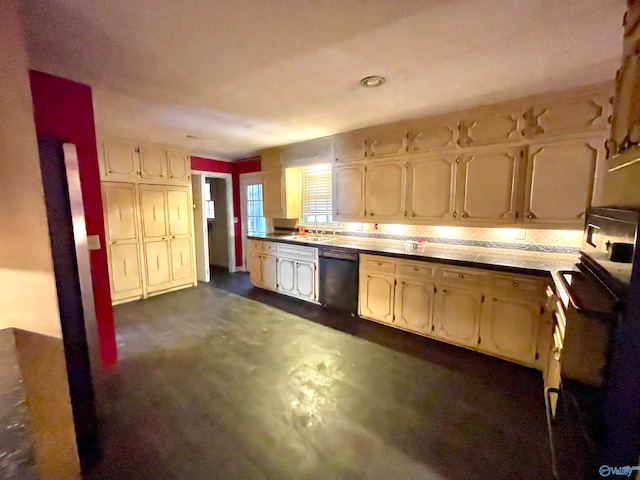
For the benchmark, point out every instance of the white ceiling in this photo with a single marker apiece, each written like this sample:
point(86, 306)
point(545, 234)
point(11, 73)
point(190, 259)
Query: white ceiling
point(247, 74)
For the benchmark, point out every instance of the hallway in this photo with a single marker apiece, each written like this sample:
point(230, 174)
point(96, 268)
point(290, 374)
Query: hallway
point(212, 385)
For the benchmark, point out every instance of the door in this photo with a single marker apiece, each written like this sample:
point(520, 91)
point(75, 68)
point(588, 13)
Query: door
point(385, 190)
point(178, 166)
point(431, 188)
point(286, 275)
point(157, 264)
point(152, 204)
point(456, 317)
point(119, 201)
point(348, 192)
point(255, 268)
point(251, 210)
point(269, 272)
point(509, 328)
point(376, 296)
point(200, 228)
point(181, 261)
point(560, 181)
point(273, 194)
point(153, 162)
point(414, 305)
point(124, 268)
point(121, 160)
point(489, 187)
point(305, 280)
point(178, 206)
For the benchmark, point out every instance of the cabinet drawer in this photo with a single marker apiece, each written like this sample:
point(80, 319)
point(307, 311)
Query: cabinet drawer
point(255, 245)
point(293, 251)
point(269, 247)
point(420, 269)
point(377, 264)
point(516, 284)
point(462, 276)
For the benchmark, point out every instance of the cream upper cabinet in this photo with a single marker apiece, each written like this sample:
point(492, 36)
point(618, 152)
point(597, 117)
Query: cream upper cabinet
point(414, 304)
point(556, 118)
point(153, 162)
point(350, 148)
point(488, 127)
point(457, 315)
point(348, 192)
point(120, 160)
point(178, 207)
point(181, 259)
point(489, 185)
point(509, 328)
point(178, 166)
point(431, 188)
point(560, 181)
point(273, 194)
point(119, 200)
point(153, 208)
point(386, 143)
point(157, 265)
point(431, 135)
point(385, 190)
point(270, 160)
point(376, 299)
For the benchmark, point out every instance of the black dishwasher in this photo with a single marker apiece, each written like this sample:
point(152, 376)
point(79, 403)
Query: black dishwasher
point(339, 280)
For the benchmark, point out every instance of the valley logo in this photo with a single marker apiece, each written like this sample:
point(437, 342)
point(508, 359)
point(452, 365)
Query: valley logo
point(626, 471)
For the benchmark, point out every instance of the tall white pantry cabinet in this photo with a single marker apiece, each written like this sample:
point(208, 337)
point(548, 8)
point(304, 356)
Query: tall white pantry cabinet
point(147, 202)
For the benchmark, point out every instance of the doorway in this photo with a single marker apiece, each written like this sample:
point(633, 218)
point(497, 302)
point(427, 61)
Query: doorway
point(213, 222)
point(251, 210)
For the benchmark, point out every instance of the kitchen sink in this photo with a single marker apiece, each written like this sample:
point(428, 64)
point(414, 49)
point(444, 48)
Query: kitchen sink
point(307, 238)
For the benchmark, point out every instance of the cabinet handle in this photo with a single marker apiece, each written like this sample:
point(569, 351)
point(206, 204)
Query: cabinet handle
point(515, 284)
point(164, 238)
point(460, 276)
point(413, 215)
point(416, 269)
point(371, 214)
point(139, 174)
point(368, 276)
point(336, 159)
point(465, 215)
point(170, 176)
point(455, 214)
point(444, 291)
point(403, 283)
point(337, 213)
point(530, 215)
point(405, 214)
point(379, 264)
point(494, 299)
point(109, 171)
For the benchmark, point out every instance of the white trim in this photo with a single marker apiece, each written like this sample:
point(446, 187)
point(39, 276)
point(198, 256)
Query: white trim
point(200, 230)
point(244, 180)
point(230, 225)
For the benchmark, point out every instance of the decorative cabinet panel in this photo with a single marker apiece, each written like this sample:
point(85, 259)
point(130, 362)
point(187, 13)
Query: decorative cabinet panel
point(255, 268)
point(457, 315)
point(286, 275)
point(153, 206)
point(385, 190)
point(269, 272)
point(509, 328)
point(178, 207)
point(181, 259)
point(348, 191)
point(121, 231)
point(488, 129)
point(280, 193)
point(560, 181)
point(376, 296)
point(305, 275)
point(431, 188)
point(427, 136)
point(350, 148)
point(376, 144)
point(126, 161)
point(414, 304)
point(157, 264)
point(489, 189)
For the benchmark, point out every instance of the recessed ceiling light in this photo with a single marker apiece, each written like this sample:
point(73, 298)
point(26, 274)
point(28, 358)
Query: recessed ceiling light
point(192, 136)
point(372, 81)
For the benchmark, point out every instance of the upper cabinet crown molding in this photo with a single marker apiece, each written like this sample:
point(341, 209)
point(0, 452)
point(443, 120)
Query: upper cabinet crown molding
point(130, 161)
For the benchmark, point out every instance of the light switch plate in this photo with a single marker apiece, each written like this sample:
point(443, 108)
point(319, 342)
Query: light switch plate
point(93, 242)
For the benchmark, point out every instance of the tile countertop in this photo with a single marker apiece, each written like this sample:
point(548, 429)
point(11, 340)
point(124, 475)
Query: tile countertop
point(507, 260)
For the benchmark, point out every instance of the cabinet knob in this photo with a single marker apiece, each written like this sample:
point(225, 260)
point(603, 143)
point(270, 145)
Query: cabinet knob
point(368, 276)
point(529, 215)
point(455, 214)
point(371, 214)
point(460, 276)
point(465, 215)
point(416, 269)
point(109, 171)
point(379, 264)
point(403, 283)
point(337, 213)
point(405, 214)
point(413, 215)
point(336, 159)
point(494, 299)
point(444, 291)
point(515, 284)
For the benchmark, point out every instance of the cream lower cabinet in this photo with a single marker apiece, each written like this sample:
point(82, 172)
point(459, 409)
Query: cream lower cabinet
point(496, 313)
point(457, 315)
point(262, 270)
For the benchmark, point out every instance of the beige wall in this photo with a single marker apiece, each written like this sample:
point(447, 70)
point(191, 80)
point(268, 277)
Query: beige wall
point(28, 298)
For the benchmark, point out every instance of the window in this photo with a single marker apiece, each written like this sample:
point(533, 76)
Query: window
point(256, 223)
point(209, 205)
point(316, 196)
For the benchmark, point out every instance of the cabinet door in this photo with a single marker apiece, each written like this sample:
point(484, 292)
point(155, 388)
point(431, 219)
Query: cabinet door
point(348, 192)
point(124, 268)
point(121, 160)
point(386, 143)
point(385, 190)
point(349, 149)
point(269, 272)
point(456, 317)
point(181, 260)
point(178, 211)
point(179, 165)
point(119, 202)
point(273, 194)
point(286, 275)
point(153, 162)
point(305, 280)
point(488, 129)
point(489, 185)
point(376, 296)
point(431, 188)
point(509, 328)
point(255, 268)
point(414, 305)
point(152, 203)
point(560, 181)
point(431, 135)
point(157, 264)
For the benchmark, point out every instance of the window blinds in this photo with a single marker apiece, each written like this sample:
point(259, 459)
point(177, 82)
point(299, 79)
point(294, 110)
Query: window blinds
point(316, 191)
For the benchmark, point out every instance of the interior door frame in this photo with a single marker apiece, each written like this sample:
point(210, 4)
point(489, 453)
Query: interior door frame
point(202, 261)
point(247, 179)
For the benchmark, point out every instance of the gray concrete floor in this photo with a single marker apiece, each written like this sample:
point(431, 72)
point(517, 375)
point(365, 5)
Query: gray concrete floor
point(212, 385)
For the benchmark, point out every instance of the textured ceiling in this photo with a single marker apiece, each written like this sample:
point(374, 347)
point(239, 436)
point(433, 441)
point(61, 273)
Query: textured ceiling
point(247, 74)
